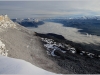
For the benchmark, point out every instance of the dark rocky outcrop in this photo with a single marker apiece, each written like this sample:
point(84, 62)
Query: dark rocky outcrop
point(76, 63)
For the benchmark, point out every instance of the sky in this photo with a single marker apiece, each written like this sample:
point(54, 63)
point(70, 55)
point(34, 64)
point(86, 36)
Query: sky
point(36, 9)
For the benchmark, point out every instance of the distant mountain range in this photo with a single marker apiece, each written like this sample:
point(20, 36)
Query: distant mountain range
point(29, 22)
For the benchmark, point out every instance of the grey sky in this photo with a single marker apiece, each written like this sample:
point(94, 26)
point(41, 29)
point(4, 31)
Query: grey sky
point(20, 9)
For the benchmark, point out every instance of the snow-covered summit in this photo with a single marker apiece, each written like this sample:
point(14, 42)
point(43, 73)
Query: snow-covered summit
point(5, 22)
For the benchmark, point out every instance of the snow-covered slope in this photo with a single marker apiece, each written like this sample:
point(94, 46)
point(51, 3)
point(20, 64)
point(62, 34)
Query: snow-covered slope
point(17, 66)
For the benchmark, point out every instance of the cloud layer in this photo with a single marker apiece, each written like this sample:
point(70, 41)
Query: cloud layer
point(68, 32)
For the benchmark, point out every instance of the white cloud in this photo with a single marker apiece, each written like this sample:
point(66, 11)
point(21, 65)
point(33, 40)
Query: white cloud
point(68, 32)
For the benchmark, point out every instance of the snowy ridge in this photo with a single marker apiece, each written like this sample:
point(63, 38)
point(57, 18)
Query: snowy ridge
point(5, 22)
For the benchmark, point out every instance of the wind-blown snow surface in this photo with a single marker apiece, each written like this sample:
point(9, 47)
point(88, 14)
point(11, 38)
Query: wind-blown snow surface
point(68, 32)
point(17, 66)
